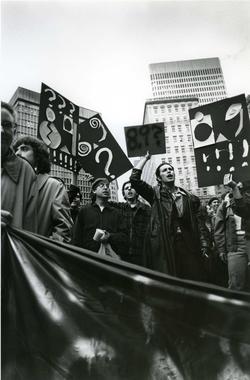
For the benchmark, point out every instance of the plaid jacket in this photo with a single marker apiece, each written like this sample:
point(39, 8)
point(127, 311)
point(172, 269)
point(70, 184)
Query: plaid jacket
point(137, 220)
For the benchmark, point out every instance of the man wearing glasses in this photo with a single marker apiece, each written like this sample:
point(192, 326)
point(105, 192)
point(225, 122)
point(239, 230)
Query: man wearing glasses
point(100, 216)
point(18, 179)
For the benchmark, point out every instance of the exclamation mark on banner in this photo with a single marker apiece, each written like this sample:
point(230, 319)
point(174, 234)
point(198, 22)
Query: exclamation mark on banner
point(54, 155)
point(65, 161)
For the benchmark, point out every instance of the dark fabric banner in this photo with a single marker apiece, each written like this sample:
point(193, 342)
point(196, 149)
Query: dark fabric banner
point(68, 313)
point(57, 127)
point(98, 151)
point(221, 138)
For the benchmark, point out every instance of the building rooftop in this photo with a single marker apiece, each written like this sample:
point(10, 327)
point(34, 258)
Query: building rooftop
point(186, 64)
point(167, 100)
point(33, 97)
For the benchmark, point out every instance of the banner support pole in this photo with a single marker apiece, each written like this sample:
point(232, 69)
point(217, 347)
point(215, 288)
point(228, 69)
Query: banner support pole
point(74, 179)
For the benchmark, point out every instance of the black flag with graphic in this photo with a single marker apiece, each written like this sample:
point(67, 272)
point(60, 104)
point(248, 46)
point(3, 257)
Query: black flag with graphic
point(57, 127)
point(98, 152)
point(221, 138)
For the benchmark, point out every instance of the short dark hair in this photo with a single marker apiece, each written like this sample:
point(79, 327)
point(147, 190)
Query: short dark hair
point(41, 153)
point(157, 172)
point(73, 192)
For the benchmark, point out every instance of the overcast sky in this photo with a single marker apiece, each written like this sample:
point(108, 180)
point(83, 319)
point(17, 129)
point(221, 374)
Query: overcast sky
point(97, 53)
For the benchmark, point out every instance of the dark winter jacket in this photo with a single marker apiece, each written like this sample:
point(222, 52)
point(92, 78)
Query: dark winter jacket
point(90, 218)
point(225, 230)
point(242, 208)
point(160, 253)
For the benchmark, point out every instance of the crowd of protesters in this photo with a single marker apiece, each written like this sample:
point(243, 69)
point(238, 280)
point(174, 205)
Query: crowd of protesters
point(163, 228)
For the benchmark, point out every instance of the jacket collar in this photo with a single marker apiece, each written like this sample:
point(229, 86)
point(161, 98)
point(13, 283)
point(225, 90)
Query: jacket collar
point(158, 189)
point(106, 206)
point(139, 204)
point(41, 180)
point(12, 165)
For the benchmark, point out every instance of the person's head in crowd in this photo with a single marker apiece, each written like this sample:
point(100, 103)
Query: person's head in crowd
point(214, 203)
point(100, 189)
point(34, 151)
point(75, 196)
point(165, 174)
point(129, 193)
point(8, 128)
point(206, 213)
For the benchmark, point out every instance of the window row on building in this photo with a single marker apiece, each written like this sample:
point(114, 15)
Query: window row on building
point(189, 73)
point(214, 79)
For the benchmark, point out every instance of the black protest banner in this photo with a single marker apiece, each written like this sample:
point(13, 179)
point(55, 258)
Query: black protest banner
point(221, 138)
point(68, 313)
point(143, 138)
point(57, 127)
point(98, 152)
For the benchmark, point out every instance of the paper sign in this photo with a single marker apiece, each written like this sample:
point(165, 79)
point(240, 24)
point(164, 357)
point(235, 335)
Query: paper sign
point(98, 152)
point(221, 138)
point(143, 138)
point(57, 127)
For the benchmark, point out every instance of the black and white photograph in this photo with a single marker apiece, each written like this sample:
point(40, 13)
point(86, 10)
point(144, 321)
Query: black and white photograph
point(125, 190)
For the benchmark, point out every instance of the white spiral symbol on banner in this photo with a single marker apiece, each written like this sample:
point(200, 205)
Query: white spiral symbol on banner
point(84, 148)
point(95, 123)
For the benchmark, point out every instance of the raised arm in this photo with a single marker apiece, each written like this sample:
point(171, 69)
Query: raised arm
point(141, 187)
point(242, 201)
point(140, 165)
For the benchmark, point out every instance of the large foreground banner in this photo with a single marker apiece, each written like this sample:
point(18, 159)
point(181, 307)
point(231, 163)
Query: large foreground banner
point(69, 314)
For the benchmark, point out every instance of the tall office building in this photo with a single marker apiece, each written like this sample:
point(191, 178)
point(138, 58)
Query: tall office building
point(26, 103)
point(176, 87)
point(179, 148)
point(200, 78)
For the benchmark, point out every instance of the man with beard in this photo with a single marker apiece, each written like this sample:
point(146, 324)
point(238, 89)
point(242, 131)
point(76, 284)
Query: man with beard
point(175, 238)
point(18, 179)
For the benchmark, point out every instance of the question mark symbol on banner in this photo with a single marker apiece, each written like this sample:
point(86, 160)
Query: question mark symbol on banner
point(157, 131)
point(108, 163)
point(72, 109)
point(61, 105)
point(51, 98)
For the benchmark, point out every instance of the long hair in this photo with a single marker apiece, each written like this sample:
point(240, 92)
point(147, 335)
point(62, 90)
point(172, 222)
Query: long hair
point(41, 153)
